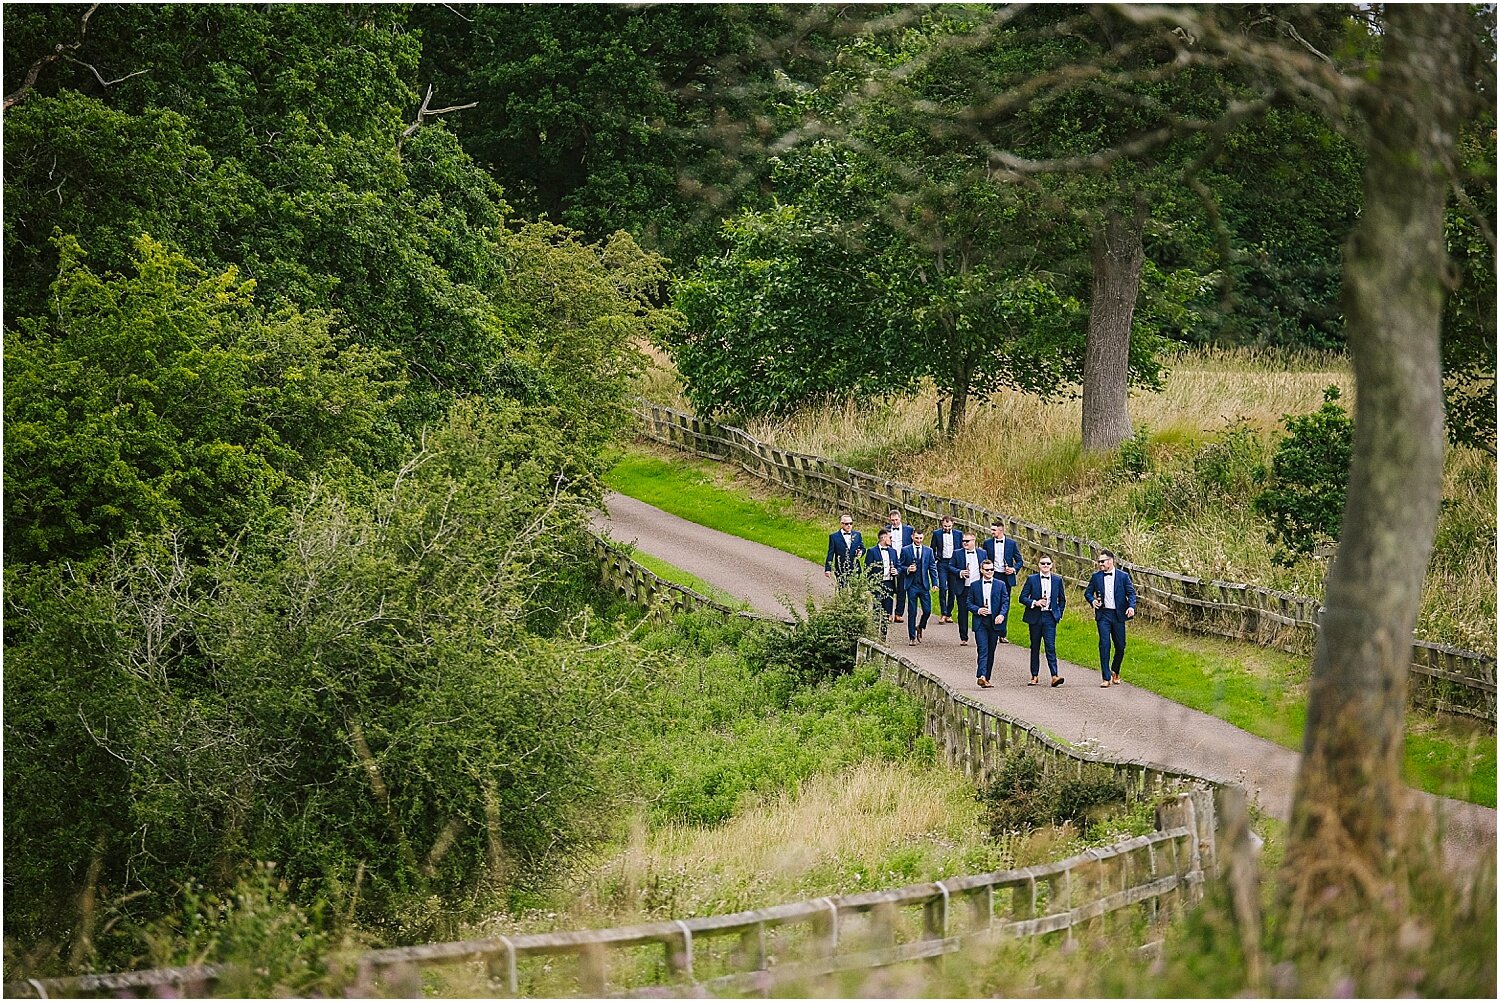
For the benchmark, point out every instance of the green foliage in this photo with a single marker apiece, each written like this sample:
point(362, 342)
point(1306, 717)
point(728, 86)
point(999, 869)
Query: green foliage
point(601, 109)
point(267, 139)
point(266, 944)
point(1026, 795)
point(354, 695)
point(1289, 189)
point(820, 647)
point(169, 399)
point(1134, 457)
point(718, 723)
point(1469, 310)
point(1304, 498)
point(1175, 489)
point(787, 314)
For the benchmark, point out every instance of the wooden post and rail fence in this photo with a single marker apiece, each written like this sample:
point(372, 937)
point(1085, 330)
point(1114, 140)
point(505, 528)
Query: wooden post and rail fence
point(752, 952)
point(1443, 678)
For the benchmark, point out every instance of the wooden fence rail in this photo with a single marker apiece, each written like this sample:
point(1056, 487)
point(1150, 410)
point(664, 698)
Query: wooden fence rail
point(1443, 678)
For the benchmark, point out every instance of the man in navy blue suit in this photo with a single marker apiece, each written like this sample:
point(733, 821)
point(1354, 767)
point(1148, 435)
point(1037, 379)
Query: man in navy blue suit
point(845, 548)
point(1112, 594)
point(1043, 600)
point(1007, 557)
point(900, 539)
point(882, 563)
point(965, 567)
point(946, 542)
point(987, 600)
point(919, 575)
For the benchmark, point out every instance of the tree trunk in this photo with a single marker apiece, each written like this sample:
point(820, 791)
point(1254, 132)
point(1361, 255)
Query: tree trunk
point(958, 406)
point(1347, 812)
point(1117, 257)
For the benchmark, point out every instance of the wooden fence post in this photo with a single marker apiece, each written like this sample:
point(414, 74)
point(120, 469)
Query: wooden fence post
point(1243, 878)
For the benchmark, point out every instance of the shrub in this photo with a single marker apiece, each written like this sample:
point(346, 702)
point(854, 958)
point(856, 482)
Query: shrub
point(1231, 465)
point(1304, 499)
point(267, 945)
point(353, 697)
point(821, 645)
point(1134, 454)
point(1026, 795)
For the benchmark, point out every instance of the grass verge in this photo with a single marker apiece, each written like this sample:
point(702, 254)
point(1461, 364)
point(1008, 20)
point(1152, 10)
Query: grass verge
point(1258, 689)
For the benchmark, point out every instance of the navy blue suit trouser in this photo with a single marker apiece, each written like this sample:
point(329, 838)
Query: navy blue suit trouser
point(885, 595)
point(1043, 633)
point(918, 598)
point(950, 590)
point(1111, 634)
point(986, 639)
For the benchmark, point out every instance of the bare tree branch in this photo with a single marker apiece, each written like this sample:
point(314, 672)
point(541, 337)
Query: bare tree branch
point(57, 53)
point(99, 76)
point(60, 53)
point(425, 111)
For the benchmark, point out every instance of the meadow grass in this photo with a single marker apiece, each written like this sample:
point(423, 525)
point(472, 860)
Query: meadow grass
point(1256, 688)
point(1030, 464)
point(871, 825)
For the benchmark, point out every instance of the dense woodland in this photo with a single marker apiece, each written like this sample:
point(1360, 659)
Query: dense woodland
point(320, 322)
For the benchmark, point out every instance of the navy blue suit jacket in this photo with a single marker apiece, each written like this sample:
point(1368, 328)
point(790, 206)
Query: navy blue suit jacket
point(936, 542)
point(1124, 594)
point(873, 564)
point(905, 539)
point(1032, 590)
point(842, 558)
point(1011, 556)
point(960, 563)
point(925, 576)
point(999, 594)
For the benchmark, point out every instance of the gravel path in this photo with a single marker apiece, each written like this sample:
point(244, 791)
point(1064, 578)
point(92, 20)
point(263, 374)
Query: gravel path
point(1120, 721)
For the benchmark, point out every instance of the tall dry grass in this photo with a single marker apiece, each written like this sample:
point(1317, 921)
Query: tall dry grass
point(871, 825)
point(1024, 457)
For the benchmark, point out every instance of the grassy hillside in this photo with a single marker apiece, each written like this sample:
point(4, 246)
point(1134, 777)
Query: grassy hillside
point(1178, 497)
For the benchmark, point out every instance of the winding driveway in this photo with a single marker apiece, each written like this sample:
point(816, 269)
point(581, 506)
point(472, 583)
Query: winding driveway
point(1121, 721)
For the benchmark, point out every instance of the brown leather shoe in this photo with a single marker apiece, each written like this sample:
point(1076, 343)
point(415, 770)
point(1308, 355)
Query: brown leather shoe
point(1057, 681)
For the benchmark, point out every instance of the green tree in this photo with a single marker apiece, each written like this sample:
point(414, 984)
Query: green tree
point(788, 314)
point(267, 138)
point(1305, 496)
point(350, 692)
point(1469, 311)
point(592, 115)
point(168, 398)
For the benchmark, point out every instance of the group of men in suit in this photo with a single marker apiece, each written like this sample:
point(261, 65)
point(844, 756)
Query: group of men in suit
point(975, 581)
